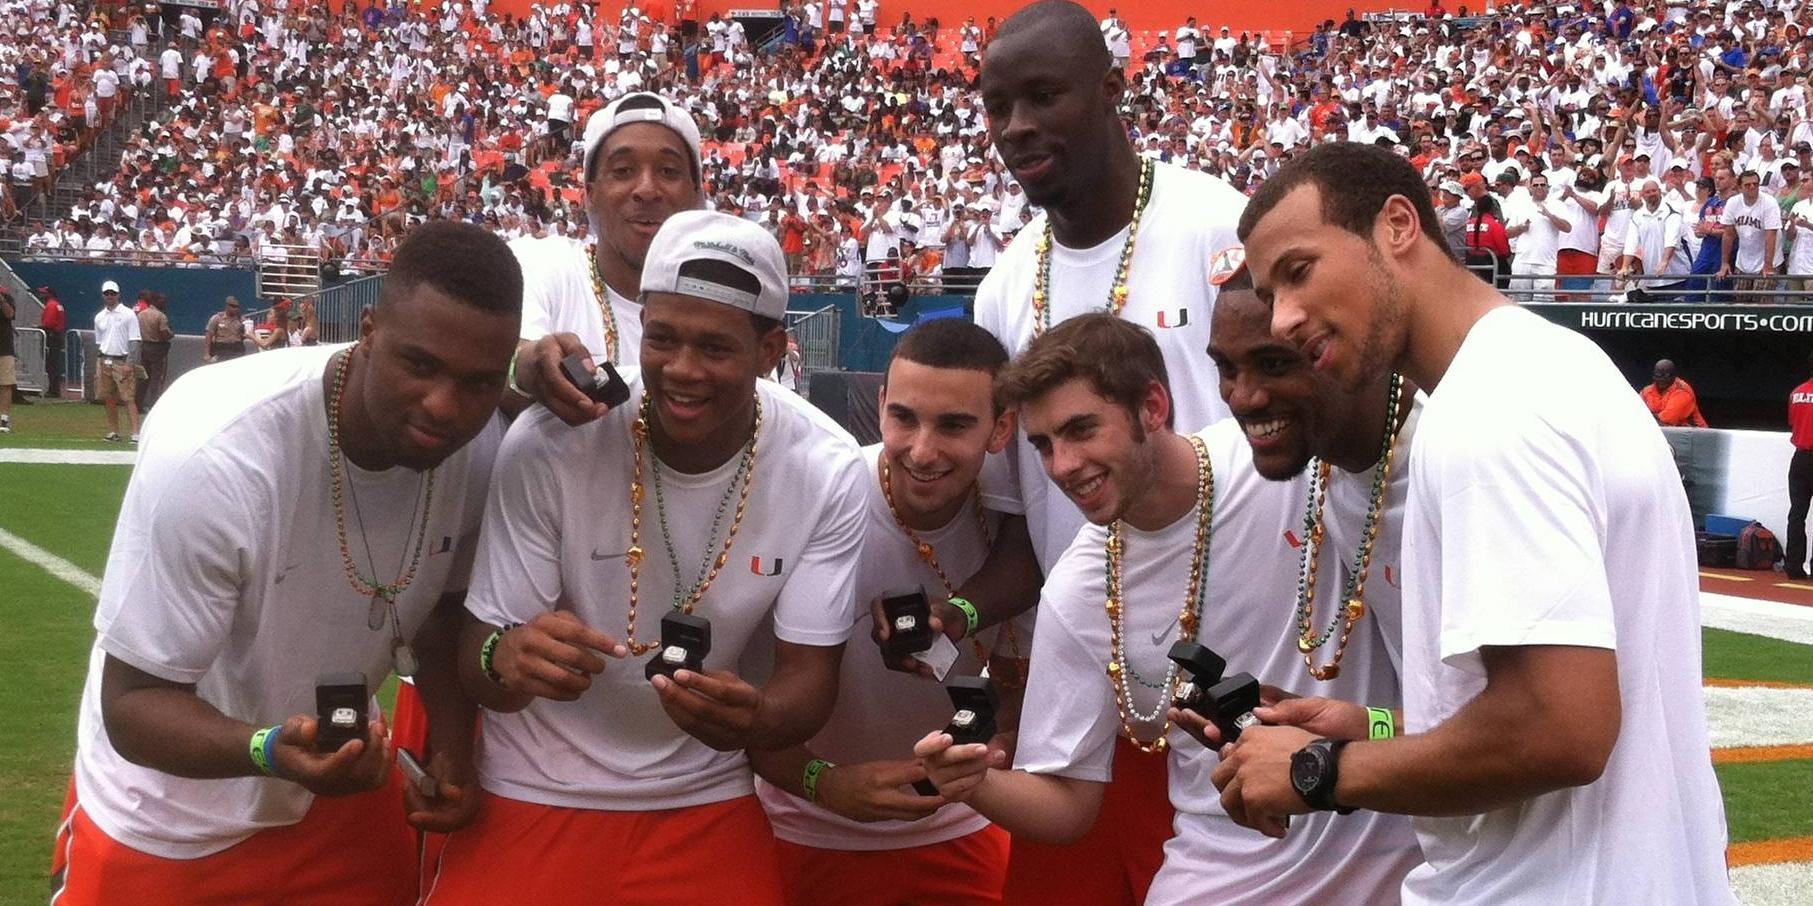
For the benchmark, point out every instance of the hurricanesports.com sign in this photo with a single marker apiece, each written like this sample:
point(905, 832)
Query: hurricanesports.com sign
point(1763, 319)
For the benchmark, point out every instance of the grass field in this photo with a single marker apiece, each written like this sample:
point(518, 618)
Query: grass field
point(69, 510)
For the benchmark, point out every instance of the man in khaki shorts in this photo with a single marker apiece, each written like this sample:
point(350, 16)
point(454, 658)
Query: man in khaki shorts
point(115, 330)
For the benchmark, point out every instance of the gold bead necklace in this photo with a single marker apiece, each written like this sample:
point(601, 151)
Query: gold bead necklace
point(1120, 672)
point(1117, 291)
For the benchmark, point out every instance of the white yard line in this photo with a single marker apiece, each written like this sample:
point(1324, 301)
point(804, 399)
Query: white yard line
point(51, 563)
point(1782, 884)
point(1788, 622)
point(69, 457)
point(1759, 716)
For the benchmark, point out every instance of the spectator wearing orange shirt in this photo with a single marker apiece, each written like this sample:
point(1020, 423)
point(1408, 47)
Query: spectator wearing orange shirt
point(1670, 400)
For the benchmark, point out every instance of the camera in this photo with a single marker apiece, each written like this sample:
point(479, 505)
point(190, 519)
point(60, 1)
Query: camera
point(909, 618)
point(341, 702)
point(975, 702)
point(685, 640)
point(600, 385)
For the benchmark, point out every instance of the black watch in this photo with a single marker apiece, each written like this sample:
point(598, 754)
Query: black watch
point(1314, 770)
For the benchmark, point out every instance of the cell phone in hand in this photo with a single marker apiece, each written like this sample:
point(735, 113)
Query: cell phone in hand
point(415, 776)
point(342, 701)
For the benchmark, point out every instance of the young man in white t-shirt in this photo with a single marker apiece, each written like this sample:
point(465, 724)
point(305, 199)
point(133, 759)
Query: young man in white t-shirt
point(1069, 151)
point(1551, 632)
point(1753, 222)
point(709, 495)
point(197, 770)
point(1174, 518)
point(848, 824)
point(641, 165)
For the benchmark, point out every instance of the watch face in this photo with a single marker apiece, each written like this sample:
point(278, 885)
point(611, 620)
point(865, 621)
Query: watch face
point(1306, 769)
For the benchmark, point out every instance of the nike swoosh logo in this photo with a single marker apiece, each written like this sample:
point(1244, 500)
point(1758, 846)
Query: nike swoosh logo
point(596, 556)
point(1158, 638)
point(286, 573)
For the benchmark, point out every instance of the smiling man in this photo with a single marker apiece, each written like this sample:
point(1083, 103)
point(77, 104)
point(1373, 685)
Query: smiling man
point(1551, 633)
point(358, 475)
point(851, 829)
point(641, 165)
point(1174, 518)
point(1118, 233)
point(710, 494)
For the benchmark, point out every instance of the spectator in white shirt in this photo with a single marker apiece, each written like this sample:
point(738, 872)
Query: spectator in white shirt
point(1753, 222)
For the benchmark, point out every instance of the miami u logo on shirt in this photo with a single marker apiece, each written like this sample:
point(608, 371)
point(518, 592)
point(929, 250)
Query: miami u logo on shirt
point(771, 568)
point(1176, 318)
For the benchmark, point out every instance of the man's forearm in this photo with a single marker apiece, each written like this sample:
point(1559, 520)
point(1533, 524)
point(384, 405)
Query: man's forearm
point(1008, 583)
point(452, 715)
point(784, 768)
point(798, 699)
point(479, 687)
point(171, 729)
point(1042, 807)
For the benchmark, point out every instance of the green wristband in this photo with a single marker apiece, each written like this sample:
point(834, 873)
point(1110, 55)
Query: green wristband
point(809, 782)
point(260, 750)
point(489, 649)
point(1380, 724)
point(510, 382)
point(970, 617)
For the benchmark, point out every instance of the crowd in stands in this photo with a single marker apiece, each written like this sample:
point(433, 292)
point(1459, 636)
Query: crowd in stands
point(1633, 146)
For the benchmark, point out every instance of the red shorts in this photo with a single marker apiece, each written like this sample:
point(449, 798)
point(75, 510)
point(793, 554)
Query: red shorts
point(717, 853)
point(347, 851)
point(1114, 863)
point(967, 871)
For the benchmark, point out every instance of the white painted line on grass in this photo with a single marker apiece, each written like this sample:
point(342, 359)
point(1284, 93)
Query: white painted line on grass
point(69, 457)
point(1781, 884)
point(1759, 716)
point(51, 563)
point(1788, 622)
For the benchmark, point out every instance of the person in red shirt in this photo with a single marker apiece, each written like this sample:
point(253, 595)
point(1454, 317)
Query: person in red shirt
point(1800, 474)
point(1670, 400)
point(54, 322)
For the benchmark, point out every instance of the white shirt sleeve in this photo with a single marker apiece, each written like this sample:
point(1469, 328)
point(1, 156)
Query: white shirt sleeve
point(517, 573)
point(178, 592)
point(818, 604)
point(1521, 560)
point(1068, 721)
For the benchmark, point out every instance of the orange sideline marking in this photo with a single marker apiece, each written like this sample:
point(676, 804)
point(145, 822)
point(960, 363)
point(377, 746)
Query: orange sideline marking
point(1726, 576)
point(1755, 754)
point(1768, 852)
point(1795, 585)
point(1726, 683)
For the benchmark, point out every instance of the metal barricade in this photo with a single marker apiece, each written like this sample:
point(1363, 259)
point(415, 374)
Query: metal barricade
point(338, 308)
point(28, 348)
point(288, 270)
point(818, 333)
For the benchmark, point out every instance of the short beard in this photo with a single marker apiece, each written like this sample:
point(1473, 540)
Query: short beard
point(1384, 344)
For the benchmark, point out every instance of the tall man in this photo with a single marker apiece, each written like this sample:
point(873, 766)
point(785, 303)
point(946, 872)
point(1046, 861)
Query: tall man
point(115, 379)
point(709, 495)
point(1174, 518)
point(55, 322)
point(225, 333)
point(1800, 475)
point(848, 827)
point(1514, 615)
point(641, 165)
point(1118, 232)
point(197, 775)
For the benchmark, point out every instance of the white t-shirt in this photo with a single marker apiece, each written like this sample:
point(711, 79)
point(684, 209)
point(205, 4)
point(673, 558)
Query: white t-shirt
point(881, 713)
point(1583, 225)
point(1752, 221)
point(1343, 519)
point(1803, 239)
point(1541, 243)
point(248, 600)
point(1069, 722)
point(558, 296)
point(556, 529)
point(1190, 217)
point(1606, 561)
point(1652, 234)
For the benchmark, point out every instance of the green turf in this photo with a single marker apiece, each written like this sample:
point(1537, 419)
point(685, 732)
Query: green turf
point(62, 425)
point(1768, 800)
point(1738, 655)
point(39, 698)
point(67, 510)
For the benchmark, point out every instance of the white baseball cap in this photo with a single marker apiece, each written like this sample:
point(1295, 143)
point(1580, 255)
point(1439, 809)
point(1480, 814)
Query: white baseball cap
point(641, 107)
point(688, 257)
point(108, 286)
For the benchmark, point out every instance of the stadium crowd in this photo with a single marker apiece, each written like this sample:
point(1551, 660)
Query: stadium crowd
point(1543, 127)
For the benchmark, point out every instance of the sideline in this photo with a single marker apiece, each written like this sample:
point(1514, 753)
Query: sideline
point(51, 563)
point(37, 456)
